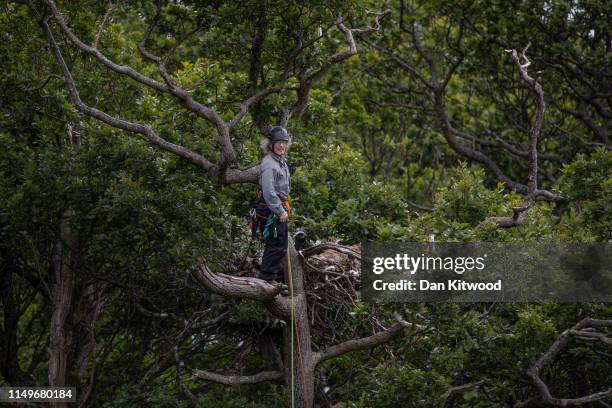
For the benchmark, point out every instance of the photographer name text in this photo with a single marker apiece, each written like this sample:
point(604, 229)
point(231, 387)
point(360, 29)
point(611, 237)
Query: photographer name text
point(425, 285)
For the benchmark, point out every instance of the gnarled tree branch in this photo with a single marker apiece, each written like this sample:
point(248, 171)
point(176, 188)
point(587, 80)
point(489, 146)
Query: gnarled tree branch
point(434, 87)
point(238, 379)
point(519, 213)
point(129, 71)
point(134, 127)
point(545, 398)
point(235, 286)
point(222, 171)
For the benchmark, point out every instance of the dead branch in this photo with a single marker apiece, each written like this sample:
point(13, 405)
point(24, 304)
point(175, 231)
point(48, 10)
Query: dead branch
point(238, 379)
point(102, 24)
point(234, 286)
point(519, 213)
point(378, 17)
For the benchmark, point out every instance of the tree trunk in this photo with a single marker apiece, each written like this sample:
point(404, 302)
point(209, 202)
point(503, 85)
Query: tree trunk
point(299, 359)
point(64, 260)
point(59, 337)
point(9, 350)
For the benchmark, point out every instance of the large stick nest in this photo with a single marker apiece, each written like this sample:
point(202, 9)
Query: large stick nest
point(332, 281)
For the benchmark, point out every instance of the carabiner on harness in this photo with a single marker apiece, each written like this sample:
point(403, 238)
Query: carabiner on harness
point(270, 224)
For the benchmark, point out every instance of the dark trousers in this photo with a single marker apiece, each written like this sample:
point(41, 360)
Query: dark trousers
point(272, 259)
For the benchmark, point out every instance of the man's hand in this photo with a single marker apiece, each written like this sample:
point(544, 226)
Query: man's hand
point(284, 217)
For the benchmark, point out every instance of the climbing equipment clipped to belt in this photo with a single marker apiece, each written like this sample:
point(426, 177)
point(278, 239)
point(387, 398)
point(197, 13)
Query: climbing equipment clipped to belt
point(270, 227)
point(260, 212)
point(258, 215)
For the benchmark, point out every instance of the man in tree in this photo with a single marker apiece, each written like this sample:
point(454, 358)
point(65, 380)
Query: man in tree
point(275, 182)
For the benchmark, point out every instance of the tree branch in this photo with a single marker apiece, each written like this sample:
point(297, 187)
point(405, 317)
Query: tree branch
point(161, 315)
point(519, 213)
point(102, 24)
point(133, 127)
point(452, 393)
point(377, 19)
point(581, 114)
point(437, 89)
point(238, 379)
point(310, 79)
point(129, 71)
point(259, 96)
point(450, 134)
point(403, 64)
point(317, 249)
point(545, 397)
point(234, 286)
point(592, 336)
point(228, 154)
point(179, 376)
point(362, 343)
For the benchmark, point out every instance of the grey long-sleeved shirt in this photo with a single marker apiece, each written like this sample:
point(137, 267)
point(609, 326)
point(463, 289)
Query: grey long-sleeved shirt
point(275, 181)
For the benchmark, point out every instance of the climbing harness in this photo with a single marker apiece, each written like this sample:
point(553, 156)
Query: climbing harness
point(262, 219)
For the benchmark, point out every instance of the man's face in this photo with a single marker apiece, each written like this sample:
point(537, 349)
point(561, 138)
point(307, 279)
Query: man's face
point(280, 148)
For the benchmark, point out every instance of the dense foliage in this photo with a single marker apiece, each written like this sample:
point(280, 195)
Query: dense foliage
point(372, 162)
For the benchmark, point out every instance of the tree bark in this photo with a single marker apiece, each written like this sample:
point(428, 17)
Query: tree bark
point(9, 350)
point(64, 260)
point(299, 360)
point(61, 298)
point(299, 373)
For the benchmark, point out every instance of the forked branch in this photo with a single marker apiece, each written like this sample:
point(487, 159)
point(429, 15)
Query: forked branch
point(519, 213)
point(134, 127)
point(309, 79)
